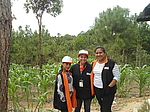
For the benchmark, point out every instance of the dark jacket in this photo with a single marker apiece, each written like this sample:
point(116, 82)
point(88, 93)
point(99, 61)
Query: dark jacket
point(85, 91)
point(58, 104)
point(70, 101)
point(107, 77)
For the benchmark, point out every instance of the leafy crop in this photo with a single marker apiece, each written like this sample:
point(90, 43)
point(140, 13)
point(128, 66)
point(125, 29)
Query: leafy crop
point(30, 88)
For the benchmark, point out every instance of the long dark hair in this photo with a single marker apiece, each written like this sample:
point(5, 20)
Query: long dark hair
point(61, 69)
point(100, 47)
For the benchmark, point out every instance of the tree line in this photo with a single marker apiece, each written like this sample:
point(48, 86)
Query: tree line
point(126, 41)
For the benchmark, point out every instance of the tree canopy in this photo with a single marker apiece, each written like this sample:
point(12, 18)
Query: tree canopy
point(126, 40)
point(52, 7)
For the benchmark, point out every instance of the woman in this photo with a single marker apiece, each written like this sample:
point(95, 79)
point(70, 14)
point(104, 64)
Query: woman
point(104, 76)
point(64, 93)
point(81, 81)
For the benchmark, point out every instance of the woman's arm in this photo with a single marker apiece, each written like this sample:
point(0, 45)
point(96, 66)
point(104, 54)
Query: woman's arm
point(60, 88)
point(116, 74)
point(113, 82)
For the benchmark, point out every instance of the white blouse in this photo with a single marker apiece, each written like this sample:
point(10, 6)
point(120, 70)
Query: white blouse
point(98, 74)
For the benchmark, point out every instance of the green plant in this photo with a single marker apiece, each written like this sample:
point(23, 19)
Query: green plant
point(141, 76)
point(124, 82)
point(40, 101)
point(28, 87)
point(145, 107)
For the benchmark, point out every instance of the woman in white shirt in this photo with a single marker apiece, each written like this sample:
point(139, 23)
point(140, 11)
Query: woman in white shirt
point(104, 76)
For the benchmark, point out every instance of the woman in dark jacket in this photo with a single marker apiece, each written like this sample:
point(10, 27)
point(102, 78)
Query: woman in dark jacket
point(81, 81)
point(104, 76)
point(64, 93)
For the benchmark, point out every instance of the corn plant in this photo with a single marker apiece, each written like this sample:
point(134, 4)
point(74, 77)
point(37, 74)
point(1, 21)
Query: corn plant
point(124, 82)
point(141, 76)
point(27, 84)
point(13, 96)
point(47, 77)
point(31, 86)
point(145, 107)
point(40, 101)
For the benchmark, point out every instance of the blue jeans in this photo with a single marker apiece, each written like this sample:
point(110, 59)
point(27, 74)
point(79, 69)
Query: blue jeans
point(87, 103)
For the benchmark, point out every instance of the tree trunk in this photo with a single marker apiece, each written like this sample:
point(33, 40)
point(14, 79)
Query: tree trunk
point(40, 42)
point(5, 34)
point(123, 57)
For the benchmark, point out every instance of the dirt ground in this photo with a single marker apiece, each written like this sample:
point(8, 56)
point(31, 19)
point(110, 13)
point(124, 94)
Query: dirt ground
point(127, 104)
point(131, 103)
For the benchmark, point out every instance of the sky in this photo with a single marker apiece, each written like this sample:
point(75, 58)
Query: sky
point(76, 16)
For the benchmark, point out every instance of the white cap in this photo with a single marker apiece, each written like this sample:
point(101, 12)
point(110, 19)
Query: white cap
point(67, 59)
point(83, 52)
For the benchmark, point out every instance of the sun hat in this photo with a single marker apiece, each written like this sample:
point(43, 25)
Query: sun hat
point(83, 52)
point(67, 59)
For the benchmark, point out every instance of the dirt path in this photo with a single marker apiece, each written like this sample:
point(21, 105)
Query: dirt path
point(132, 106)
point(129, 104)
point(119, 105)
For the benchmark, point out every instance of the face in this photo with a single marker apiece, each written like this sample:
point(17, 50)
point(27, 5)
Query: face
point(66, 66)
point(100, 54)
point(82, 58)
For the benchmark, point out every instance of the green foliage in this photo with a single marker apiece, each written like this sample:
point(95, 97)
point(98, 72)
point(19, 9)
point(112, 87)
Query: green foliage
point(141, 76)
point(81, 42)
point(52, 7)
point(133, 78)
point(119, 32)
point(23, 46)
point(41, 101)
point(145, 107)
point(125, 40)
point(30, 85)
point(33, 86)
point(123, 84)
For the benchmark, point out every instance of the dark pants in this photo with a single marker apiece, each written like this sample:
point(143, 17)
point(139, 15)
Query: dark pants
point(87, 103)
point(105, 101)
